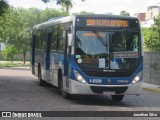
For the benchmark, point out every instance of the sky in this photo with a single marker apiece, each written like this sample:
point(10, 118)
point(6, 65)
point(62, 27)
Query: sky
point(96, 6)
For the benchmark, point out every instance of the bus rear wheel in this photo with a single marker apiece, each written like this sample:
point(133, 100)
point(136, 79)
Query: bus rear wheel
point(40, 81)
point(117, 97)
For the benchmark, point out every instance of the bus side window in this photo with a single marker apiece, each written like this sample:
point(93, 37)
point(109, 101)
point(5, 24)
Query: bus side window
point(33, 41)
point(38, 40)
point(54, 38)
point(43, 37)
point(61, 39)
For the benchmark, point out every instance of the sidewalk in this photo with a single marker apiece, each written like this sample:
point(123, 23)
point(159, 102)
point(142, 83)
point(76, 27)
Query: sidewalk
point(151, 87)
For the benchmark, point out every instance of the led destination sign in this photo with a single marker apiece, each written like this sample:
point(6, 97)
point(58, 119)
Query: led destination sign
point(94, 34)
point(106, 23)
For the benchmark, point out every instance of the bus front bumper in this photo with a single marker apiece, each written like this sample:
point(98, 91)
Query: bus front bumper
point(91, 89)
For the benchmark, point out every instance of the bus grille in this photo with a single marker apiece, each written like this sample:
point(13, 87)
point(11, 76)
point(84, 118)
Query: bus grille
point(117, 90)
point(126, 73)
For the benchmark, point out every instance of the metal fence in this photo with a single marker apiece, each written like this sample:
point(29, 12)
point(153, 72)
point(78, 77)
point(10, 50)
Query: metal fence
point(152, 68)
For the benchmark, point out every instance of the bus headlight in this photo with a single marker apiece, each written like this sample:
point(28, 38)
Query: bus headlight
point(137, 78)
point(79, 77)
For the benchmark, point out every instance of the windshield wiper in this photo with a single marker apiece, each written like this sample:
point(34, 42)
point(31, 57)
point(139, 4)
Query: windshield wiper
point(117, 39)
point(104, 43)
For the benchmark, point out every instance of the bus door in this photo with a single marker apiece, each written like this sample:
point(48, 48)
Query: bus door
point(33, 54)
point(67, 57)
point(47, 57)
point(48, 51)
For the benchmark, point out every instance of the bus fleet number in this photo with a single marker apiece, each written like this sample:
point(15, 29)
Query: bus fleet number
point(98, 81)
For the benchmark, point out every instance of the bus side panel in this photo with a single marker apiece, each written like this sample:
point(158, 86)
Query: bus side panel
point(40, 61)
point(56, 63)
point(47, 56)
point(37, 60)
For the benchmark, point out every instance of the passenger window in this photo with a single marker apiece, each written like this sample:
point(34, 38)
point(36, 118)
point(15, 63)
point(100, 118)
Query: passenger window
point(54, 38)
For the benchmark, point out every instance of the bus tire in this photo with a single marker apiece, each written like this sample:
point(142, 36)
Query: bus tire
point(40, 81)
point(117, 97)
point(64, 94)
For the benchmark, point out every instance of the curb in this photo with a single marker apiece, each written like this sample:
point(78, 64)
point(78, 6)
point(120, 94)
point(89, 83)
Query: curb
point(151, 87)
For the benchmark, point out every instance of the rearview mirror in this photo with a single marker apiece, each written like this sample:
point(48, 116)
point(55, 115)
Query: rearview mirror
point(70, 39)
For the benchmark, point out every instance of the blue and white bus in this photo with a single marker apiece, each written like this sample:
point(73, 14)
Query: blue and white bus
point(89, 54)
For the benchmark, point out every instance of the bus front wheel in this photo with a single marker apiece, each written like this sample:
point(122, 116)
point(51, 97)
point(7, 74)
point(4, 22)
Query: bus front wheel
point(117, 97)
point(61, 91)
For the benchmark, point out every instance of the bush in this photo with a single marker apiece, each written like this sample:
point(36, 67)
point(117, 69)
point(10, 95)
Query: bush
point(9, 52)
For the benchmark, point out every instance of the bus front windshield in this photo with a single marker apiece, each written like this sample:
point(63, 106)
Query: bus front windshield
point(107, 49)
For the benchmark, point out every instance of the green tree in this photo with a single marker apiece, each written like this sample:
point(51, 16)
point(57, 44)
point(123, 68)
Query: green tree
point(29, 16)
point(83, 13)
point(33, 16)
point(157, 29)
point(152, 37)
point(148, 42)
point(14, 30)
point(124, 13)
point(16, 25)
point(23, 42)
point(51, 13)
point(3, 6)
point(66, 4)
point(9, 52)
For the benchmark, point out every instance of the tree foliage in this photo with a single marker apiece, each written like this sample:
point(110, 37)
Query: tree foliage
point(124, 13)
point(152, 37)
point(15, 30)
point(16, 25)
point(9, 52)
point(83, 13)
point(50, 13)
point(66, 4)
point(3, 6)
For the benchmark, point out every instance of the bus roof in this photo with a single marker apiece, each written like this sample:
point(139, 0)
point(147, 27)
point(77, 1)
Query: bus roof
point(55, 21)
point(106, 15)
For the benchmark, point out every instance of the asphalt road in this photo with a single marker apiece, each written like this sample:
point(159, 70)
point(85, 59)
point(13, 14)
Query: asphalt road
point(19, 91)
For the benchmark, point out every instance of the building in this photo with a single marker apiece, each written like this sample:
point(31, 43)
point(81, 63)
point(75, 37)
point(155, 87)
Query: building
point(154, 11)
point(147, 18)
point(141, 16)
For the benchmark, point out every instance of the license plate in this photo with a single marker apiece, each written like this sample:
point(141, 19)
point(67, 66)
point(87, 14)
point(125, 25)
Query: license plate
point(109, 92)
